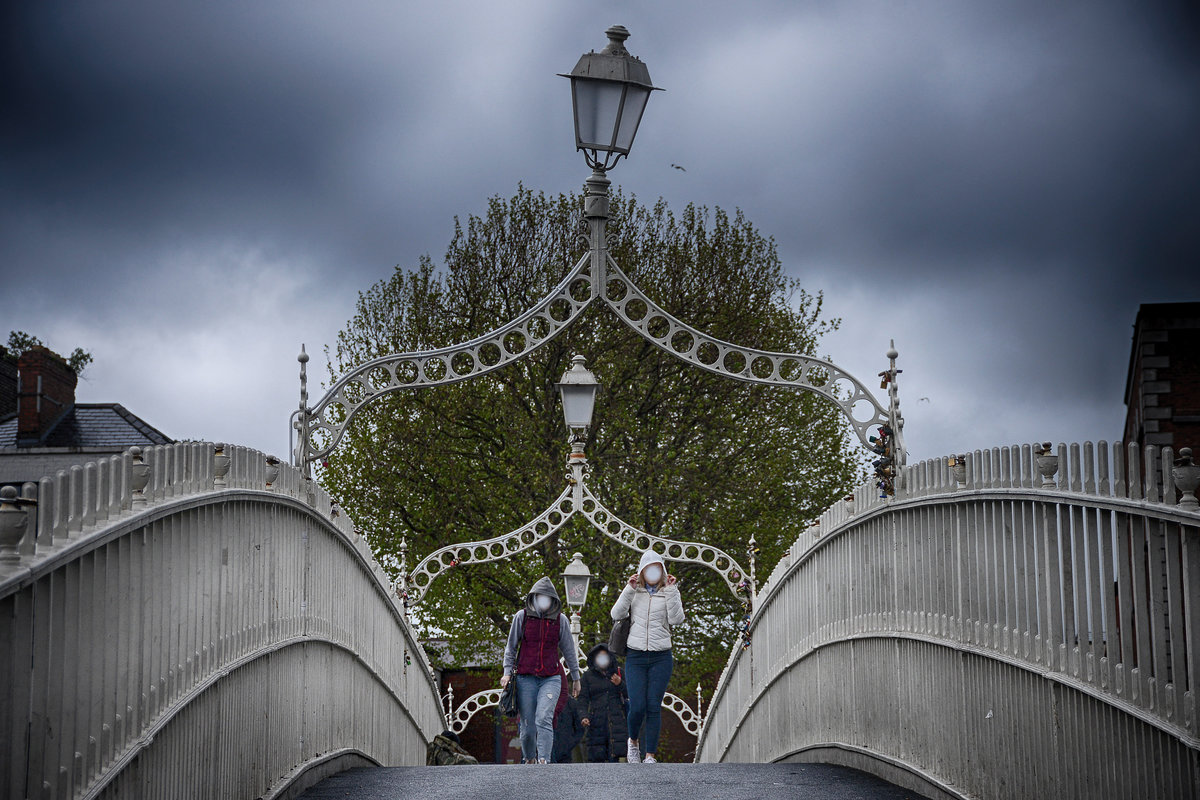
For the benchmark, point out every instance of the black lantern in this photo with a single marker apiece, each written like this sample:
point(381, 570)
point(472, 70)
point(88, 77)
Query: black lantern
point(609, 91)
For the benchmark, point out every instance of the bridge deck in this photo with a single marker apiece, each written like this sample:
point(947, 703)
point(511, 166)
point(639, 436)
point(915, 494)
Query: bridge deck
point(591, 781)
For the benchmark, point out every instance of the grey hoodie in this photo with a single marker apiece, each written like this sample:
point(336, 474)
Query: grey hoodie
point(566, 643)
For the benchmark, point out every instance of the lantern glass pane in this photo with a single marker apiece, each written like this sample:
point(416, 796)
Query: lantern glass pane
point(578, 400)
point(577, 586)
point(635, 104)
point(596, 107)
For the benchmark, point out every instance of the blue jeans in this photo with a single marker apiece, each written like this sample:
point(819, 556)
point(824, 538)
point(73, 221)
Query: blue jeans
point(536, 698)
point(646, 676)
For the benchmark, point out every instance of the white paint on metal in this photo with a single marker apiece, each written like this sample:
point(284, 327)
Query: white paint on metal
point(1026, 627)
point(207, 643)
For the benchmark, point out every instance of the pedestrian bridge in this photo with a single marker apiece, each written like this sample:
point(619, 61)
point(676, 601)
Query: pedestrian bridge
point(199, 621)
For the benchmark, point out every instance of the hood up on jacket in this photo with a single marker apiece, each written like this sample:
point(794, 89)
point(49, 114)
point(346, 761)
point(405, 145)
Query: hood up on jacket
point(595, 651)
point(543, 586)
point(650, 557)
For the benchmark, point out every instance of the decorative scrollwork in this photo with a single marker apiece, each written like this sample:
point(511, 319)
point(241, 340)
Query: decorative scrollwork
point(595, 275)
point(687, 715)
point(576, 497)
point(741, 363)
point(714, 558)
point(323, 425)
point(460, 717)
point(495, 549)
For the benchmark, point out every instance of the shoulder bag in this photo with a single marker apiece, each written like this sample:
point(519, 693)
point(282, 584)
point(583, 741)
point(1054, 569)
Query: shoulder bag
point(508, 695)
point(618, 640)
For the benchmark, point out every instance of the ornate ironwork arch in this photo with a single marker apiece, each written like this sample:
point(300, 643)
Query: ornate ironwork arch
point(323, 425)
point(577, 497)
point(460, 717)
point(747, 364)
point(596, 274)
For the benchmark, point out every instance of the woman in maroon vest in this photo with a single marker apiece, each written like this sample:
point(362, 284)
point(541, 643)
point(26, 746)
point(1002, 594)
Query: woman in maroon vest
point(540, 632)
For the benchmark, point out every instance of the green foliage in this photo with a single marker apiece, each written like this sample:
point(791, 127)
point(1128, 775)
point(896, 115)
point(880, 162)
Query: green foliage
point(20, 341)
point(675, 450)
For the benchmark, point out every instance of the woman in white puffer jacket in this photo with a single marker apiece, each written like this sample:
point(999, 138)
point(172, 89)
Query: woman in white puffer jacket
point(651, 601)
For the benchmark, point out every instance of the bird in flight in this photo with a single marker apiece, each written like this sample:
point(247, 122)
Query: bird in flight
point(681, 169)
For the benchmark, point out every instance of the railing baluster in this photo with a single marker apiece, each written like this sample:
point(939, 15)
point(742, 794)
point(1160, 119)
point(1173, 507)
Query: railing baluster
point(1167, 462)
point(1191, 624)
point(1091, 534)
point(1120, 485)
point(1152, 494)
point(1133, 473)
point(1102, 485)
point(1176, 626)
point(1125, 545)
point(1089, 469)
point(1156, 557)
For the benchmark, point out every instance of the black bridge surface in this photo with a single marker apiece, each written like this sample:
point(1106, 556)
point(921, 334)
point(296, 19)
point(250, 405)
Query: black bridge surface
point(608, 781)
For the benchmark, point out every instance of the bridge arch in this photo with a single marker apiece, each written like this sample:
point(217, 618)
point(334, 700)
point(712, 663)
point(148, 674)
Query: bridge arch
point(218, 632)
point(1026, 626)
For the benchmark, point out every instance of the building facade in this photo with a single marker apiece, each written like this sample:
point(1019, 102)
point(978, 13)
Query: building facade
point(43, 429)
point(1162, 391)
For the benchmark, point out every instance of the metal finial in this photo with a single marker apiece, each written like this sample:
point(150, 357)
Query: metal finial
point(617, 34)
point(303, 359)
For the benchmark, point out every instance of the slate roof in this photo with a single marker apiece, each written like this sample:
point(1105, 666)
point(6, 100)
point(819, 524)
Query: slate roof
point(101, 425)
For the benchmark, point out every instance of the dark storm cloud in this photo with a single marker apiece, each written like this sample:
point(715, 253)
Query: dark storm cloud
point(997, 186)
point(153, 122)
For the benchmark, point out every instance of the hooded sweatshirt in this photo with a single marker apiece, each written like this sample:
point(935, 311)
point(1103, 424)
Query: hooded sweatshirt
point(540, 637)
point(650, 615)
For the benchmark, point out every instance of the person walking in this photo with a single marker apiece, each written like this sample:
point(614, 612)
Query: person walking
point(603, 699)
point(568, 728)
point(652, 602)
point(539, 633)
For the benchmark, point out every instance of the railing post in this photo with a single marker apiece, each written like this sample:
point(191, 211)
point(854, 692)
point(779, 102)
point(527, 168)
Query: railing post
point(14, 521)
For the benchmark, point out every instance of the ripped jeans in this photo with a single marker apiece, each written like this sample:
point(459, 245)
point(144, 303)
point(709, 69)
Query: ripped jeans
point(536, 699)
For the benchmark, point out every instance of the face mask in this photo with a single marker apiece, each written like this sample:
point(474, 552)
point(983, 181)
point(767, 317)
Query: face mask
point(652, 574)
point(542, 603)
point(602, 661)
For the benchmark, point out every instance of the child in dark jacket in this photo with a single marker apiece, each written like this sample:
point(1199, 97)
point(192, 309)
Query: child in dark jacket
point(602, 699)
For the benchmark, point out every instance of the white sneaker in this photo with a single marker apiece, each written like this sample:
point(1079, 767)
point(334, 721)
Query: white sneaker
point(650, 760)
point(633, 754)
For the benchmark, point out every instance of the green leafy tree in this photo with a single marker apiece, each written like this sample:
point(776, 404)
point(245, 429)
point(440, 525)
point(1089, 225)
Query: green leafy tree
point(20, 341)
point(674, 450)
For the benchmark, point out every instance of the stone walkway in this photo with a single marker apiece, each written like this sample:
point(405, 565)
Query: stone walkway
point(609, 782)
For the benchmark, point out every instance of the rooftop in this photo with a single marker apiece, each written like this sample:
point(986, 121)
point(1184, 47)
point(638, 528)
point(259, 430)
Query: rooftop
point(91, 425)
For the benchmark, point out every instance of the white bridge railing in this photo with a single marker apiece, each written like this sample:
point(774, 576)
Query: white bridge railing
point(1026, 626)
point(203, 624)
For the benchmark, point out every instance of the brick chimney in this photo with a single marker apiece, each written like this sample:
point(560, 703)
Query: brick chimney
point(8, 383)
point(45, 392)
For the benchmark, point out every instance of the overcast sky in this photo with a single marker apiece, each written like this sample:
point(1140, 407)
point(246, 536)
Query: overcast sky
point(190, 191)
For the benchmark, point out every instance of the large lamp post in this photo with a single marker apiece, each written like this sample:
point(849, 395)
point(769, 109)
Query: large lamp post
point(576, 577)
point(609, 91)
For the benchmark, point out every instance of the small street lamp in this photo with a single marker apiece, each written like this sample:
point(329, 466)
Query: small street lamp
point(576, 577)
point(578, 392)
point(609, 91)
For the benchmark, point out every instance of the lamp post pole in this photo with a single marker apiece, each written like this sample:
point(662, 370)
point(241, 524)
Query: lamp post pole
point(609, 91)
